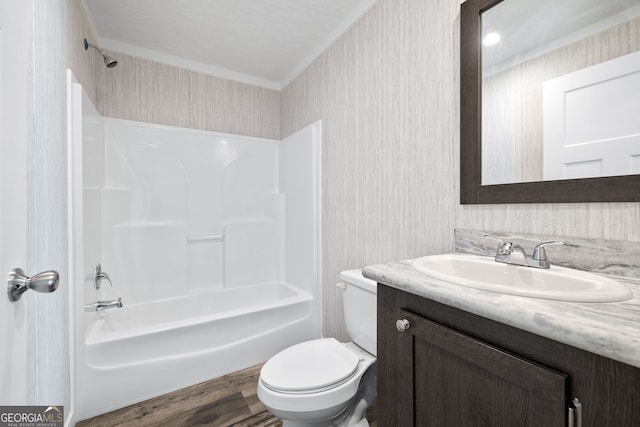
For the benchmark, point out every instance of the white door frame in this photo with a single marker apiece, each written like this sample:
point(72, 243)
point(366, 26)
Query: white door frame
point(48, 354)
point(15, 60)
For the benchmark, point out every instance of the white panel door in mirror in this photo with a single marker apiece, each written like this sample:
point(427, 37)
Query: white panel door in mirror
point(591, 121)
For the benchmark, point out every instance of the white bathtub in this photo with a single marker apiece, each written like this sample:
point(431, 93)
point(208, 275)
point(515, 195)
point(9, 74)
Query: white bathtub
point(145, 350)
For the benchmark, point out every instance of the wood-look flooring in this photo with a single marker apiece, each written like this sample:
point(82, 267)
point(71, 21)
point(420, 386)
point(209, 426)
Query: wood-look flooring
point(227, 401)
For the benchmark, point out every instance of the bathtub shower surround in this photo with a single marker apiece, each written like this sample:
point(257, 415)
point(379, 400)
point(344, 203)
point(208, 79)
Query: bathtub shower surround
point(211, 242)
point(615, 257)
point(187, 206)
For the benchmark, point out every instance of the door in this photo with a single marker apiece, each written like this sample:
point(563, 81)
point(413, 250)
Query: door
point(15, 26)
point(461, 381)
point(591, 125)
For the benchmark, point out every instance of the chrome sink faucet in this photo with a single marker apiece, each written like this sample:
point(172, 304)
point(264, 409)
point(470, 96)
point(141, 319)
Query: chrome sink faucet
point(103, 305)
point(513, 253)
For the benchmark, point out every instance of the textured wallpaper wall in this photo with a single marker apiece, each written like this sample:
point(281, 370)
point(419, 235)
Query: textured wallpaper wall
point(147, 91)
point(83, 63)
point(388, 95)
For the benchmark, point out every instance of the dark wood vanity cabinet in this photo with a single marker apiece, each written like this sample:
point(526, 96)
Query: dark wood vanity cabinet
point(451, 368)
point(457, 379)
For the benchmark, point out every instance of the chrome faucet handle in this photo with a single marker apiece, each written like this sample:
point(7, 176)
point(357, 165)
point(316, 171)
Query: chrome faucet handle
point(504, 248)
point(106, 277)
point(100, 275)
point(539, 254)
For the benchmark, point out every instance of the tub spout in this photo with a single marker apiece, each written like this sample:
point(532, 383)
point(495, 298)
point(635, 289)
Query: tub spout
point(103, 305)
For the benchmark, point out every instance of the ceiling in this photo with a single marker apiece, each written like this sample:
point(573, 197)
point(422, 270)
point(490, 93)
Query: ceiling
point(262, 42)
point(532, 27)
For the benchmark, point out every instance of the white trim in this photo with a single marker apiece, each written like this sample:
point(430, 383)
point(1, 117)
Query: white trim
point(334, 36)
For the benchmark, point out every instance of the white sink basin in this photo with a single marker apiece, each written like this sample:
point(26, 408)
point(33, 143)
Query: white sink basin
point(556, 283)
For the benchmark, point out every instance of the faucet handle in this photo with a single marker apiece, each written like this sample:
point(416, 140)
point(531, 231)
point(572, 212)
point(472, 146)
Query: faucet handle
point(504, 248)
point(540, 254)
point(100, 275)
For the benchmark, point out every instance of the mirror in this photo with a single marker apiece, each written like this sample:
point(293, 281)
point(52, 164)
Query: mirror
point(550, 94)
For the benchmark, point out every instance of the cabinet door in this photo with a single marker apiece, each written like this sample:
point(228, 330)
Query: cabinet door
point(457, 380)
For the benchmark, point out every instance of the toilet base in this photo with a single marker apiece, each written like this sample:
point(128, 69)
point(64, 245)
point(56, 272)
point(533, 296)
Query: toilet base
point(354, 414)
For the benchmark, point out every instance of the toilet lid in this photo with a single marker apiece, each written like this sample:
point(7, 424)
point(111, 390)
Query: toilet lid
point(308, 366)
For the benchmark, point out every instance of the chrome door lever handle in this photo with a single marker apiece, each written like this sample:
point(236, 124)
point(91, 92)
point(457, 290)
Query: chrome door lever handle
point(19, 283)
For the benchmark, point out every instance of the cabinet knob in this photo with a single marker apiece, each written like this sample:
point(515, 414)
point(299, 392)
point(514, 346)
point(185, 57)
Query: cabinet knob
point(402, 325)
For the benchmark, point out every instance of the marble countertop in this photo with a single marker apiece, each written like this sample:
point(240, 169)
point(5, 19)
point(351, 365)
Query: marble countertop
point(608, 329)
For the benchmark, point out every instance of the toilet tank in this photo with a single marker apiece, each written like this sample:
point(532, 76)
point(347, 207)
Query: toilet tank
point(359, 301)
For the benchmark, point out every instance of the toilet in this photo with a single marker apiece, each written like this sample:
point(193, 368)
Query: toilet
point(325, 382)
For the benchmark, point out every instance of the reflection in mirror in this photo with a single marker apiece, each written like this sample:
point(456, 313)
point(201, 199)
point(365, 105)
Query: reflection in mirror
point(560, 90)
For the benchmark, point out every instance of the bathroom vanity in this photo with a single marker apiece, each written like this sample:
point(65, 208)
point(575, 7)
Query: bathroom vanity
point(455, 356)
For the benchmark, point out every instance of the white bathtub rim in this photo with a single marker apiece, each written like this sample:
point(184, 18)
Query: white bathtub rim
point(213, 290)
point(208, 350)
point(93, 338)
point(112, 336)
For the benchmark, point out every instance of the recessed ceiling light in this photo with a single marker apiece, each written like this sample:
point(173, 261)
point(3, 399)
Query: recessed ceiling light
point(491, 39)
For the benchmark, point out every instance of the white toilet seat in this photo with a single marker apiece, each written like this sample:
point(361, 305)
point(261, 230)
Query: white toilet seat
point(310, 367)
point(279, 391)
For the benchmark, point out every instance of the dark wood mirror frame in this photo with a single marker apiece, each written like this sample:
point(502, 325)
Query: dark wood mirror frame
point(608, 189)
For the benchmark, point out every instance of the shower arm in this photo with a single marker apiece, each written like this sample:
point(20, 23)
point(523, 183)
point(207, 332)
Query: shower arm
point(109, 61)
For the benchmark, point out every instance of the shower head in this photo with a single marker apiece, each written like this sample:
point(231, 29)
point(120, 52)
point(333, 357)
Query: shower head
point(109, 61)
